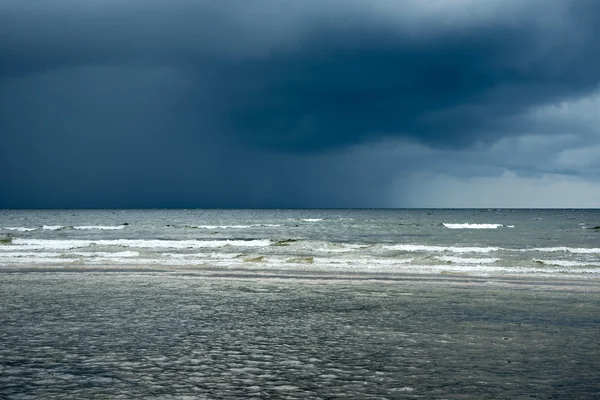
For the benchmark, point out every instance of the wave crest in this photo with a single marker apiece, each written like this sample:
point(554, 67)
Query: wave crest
point(474, 226)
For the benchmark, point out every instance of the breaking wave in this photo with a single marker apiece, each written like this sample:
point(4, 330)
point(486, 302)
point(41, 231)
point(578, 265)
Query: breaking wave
point(52, 227)
point(475, 226)
point(135, 243)
point(19, 228)
point(575, 250)
point(60, 227)
point(451, 249)
point(100, 227)
point(460, 260)
point(237, 226)
point(567, 263)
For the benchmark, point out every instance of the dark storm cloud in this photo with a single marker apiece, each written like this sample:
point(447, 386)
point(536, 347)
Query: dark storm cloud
point(452, 90)
point(227, 103)
point(310, 77)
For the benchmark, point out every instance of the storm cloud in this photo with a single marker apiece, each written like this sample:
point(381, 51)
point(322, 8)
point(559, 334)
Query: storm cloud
point(294, 104)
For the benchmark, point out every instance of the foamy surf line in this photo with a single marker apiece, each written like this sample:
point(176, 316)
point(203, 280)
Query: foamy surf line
point(459, 260)
point(475, 226)
point(100, 227)
point(576, 250)
point(236, 226)
point(49, 244)
point(59, 227)
point(452, 249)
point(19, 228)
point(289, 265)
point(567, 263)
point(566, 278)
point(52, 227)
point(31, 244)
point(489, 249)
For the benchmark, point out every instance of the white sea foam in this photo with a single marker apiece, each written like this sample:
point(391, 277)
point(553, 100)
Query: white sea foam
point(460, 260)
point(254, 259)
point(404, 267)
point(19, 228)
point(35, 260)
point(340, 248)
point(567, 263)
point(575, 250)
point(473, 226)
point(499, 270)
point(28, 254)
point(52, 227)
point(46, 244)
point(42, 256)
point(318, 264)
point(451, 249)
point(100, 227)
point(138, 262)
point(211, 255)
point(135, 243)
point(386, 261)
point(106, 254)
point(357, 246)
point(311, 219)
point(237, 226)
point(365, 264)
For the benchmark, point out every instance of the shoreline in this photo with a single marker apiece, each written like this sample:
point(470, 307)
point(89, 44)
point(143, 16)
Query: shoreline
point(539, 282)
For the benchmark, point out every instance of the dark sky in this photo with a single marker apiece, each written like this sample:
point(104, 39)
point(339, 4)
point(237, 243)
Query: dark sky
point(299, 103)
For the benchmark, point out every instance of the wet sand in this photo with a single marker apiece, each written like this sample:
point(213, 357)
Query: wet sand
point(218, 333)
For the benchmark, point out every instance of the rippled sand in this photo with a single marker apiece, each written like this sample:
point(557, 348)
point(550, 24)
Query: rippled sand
point(213, 334)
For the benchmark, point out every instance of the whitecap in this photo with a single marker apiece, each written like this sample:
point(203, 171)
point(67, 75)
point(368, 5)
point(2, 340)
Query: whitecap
point(460, 260)
point(41, 256)
point(195, 256)
point(472, 226)
point(106, 254)
point(389, 261)
point(52, 227)
point(340, 247)
point(451, 249)
point(567, 263)
point(100, 227)
point(36, 260)
point(28, 254)
point(19, 228)
point(575, 250)
point(135, 243)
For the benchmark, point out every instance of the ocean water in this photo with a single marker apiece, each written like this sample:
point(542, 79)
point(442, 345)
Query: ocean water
point(471, 242)
point(374, 304)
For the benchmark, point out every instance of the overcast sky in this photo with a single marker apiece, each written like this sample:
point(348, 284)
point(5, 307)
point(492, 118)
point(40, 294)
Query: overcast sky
point(299, 103)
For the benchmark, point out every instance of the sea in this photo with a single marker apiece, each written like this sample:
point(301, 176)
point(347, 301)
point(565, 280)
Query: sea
point(302, 303)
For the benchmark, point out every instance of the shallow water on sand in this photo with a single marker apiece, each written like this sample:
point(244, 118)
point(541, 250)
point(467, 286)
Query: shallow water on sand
point(149, 335)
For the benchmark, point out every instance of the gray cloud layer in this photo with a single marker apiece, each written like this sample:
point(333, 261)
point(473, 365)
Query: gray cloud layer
point(268, 103)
